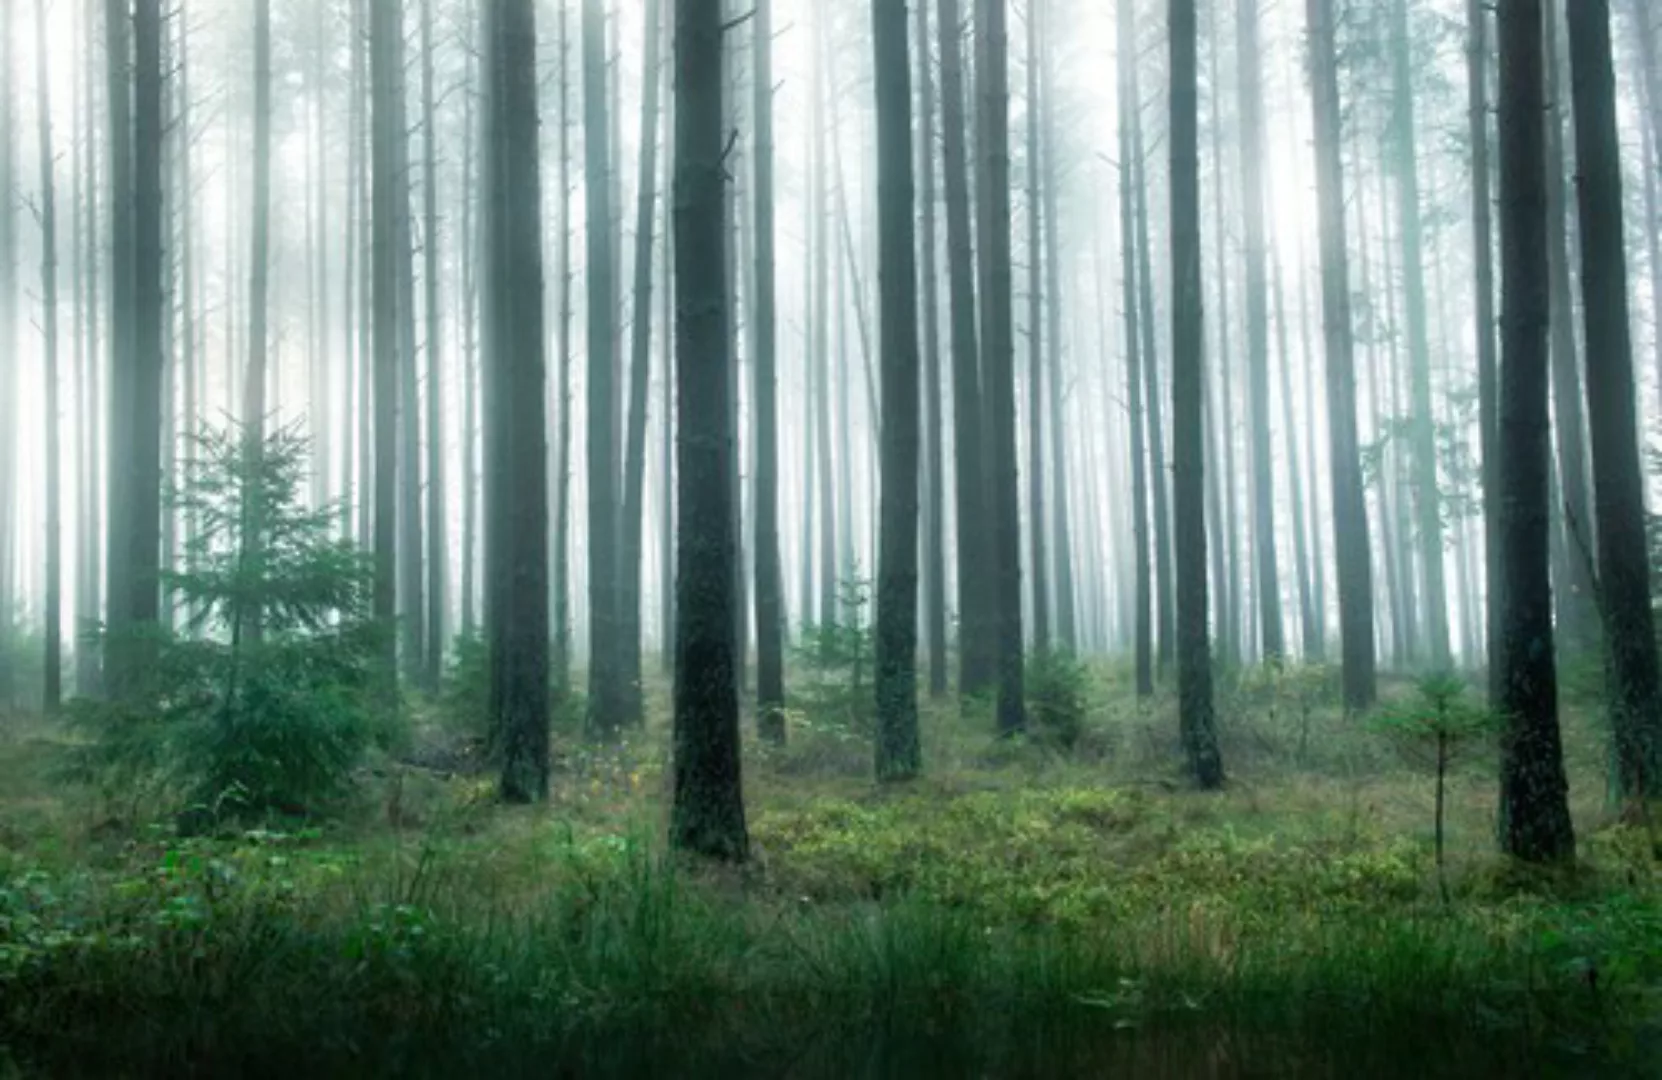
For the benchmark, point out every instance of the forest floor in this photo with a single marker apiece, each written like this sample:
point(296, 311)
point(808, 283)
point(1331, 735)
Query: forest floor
point(1015, 911)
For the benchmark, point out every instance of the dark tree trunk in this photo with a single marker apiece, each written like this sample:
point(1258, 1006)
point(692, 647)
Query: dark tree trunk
point(1142, 617)
point(934, 503)
point(998, 350)
point(608, 704)
point(1266, 573)
point(470, 259)
point(976, 651)
point(1488, 373)
point(633, 521)
point(247, 621)
point(1350, 516)
point(1064, 604)
point(770, 585)
point(1618, 481)
point(562, 455)
point(899, 753)
point(438, 547)
point(1194, 652)
point(9, 124)
point(707, 817)
point(1534, 808)
point(89, 586)
point(386, 61)
point(1039, 559)
point(516, 453)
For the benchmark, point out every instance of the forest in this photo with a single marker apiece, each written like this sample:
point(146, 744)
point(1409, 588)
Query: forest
point(830, 537)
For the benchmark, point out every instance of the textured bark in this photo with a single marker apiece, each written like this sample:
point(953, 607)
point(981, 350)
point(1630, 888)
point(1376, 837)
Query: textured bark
point(1142, 601)
point(976, 647)
point(1350, 518)
point(562, 455)
point(1483, 279)
point(1194, 653)
point(1534, 809)
point(516, 452)
point(899, 752)
point(770, 585)
point(934, 501)
point(998, 350)
point(386, 62)
point(438, 547)
point(145, 406)
point(89, 585)
point(1618, 481)
point(1039, 559)
point(1064, 603)
point(707, 816)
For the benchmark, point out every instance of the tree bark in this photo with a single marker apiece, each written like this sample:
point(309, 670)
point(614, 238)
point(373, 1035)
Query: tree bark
point(1534, 809)
point(1039, 576)
point(934, 502)
point(1126, 47)
point(52, 687)
point(438, 547)
point(386, 61)
point(1488, 371)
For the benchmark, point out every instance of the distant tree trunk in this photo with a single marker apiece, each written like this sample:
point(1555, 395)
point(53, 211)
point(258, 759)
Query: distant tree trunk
point(666, 345)
point(640, 374)
point(1618, 481)
point(247, 622)
point(934, 504)
point(1350, 516)
point(1488, 374)
point(1267, 574)
point(1577, 622)
point(1651, 166)
point(1065, 604)
point(1218, 395)
point(707, 816)
point(321, 391)
point(1309, 633)
point(386, 61)
point(88, 582)
point(53, 629)
point(607, 701)
point(899, 753)
point(1534, 809)
point(470, 259)
point(516, 482)
point(770, 585)
point(412, 586)
point(9, 448)
point(120, 488)
point(976, 650)
point(820, 320)
point(1318, 556)
point(438, 547)
point(998, 350)
point(1194, 652)
point(1039, 575)
point(562, 456)
point(1126, 46)
point(1428, 527)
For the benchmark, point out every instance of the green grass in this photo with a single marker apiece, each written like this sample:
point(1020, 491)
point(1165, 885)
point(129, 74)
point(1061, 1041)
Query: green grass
point(1014, 912)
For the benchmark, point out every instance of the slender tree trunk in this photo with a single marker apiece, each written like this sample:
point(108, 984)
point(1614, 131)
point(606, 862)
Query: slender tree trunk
point(1350, 518)
point(438, 546)
point(1534, 809)
point(899, 753)
point(89, 583)
point(143, 467)
point(1126, 46)
point(707, 816)
point(386, 61)
point(1619, 486)
point(1488, 373)
point(820, 319)
point(934, 503)
point(1218, 409)
point(1039, 575)
point(53, 629)
point(9, 448)
point(1194, 653)
point(1267, 574)
point(1309, 635)
point(516, 484)
point(247, 624)
point(998, 350)
point(562, 456)
point(470, 257)
point(1064, 603)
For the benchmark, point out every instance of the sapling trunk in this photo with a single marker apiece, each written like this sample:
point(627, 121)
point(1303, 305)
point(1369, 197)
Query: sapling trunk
point(1442, 773)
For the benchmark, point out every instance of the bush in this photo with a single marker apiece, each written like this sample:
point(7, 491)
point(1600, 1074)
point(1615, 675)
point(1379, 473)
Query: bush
point(264, 701)
point(1058, 685)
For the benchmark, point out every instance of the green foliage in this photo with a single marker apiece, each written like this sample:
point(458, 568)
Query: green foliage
point(22, 663)
point(1441, 723)
point(264, 702)
point(833, 660)
point(463, 706)
point(1058, 687)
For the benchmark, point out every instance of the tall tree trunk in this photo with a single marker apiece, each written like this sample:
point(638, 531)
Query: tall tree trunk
point(1488, 372)
point(1064, 603)
point(1267, 574)
point(1039, 575)
point(386, 61)
point(608, 705)
point(9, 447)
point(516, 483)
point(562, 456)
point(1534, 809)
point(1428, 528)
point(469, 313)
point(1577, 622)
point(1194, 652)
point(1219, 400)
point(934, 503)
point(52, 689)
point(998, 349)
point(1619, 486)
point(707, 815)
point(976, 650)
point(770, 585)
point(412, 586)
point(247, 622)
point(1310, 643)
point(640, 374)
point(1126, 48)
point(899, 753)
point(438, 547)
point(820, 320)
point(89, 591)
point(1350, 516)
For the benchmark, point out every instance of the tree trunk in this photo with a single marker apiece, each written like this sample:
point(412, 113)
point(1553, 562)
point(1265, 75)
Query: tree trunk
point(1064, 603)
point(516, 482)
point(1267, 574)
point(562, 456)
point(1350, 518)
point(142, 456)
point(52, 690)
point(1126, 48)
point(386, 61)
point(934, 504)
point(1039, 576)
point(9, 182)
point(438, 547)
point(88, 583)
point(1194, 653)
point(1488, 373)
point(707, 817)
point(1534, 809)
point(899, 753)
point(1309, 636)
point(1618, 481)
point(998, 350)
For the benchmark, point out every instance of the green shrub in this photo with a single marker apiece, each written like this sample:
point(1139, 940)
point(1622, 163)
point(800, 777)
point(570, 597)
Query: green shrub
point(265, 700)
point(1058, 686)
